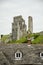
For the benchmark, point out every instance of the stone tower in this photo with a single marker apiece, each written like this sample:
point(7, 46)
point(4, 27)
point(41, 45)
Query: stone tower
point(30, 24)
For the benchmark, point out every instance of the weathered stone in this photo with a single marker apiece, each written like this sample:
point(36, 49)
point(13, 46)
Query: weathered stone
point(18, 27)
point(30, 54)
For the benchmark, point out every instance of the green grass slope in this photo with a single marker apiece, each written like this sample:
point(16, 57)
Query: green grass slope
point(22, 40)
point(5, 37)
point(38, 40)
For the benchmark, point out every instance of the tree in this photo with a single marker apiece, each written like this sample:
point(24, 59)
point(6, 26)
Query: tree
point(1, 36)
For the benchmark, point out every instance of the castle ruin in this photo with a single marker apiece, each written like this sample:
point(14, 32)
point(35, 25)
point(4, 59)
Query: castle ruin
point(19, 27)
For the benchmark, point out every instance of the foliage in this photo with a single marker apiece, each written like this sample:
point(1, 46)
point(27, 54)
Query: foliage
point(4, 37)
point(22, 40)
point(1, 36)
point(39, 39)
point(12, 41)
point(36, 35)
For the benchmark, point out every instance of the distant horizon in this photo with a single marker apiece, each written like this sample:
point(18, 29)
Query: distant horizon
point(12, 8)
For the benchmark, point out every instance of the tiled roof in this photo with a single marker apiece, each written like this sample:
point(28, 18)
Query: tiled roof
point(31, 54)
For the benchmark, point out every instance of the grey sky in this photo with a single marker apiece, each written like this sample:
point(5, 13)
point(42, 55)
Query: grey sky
point(11, 8)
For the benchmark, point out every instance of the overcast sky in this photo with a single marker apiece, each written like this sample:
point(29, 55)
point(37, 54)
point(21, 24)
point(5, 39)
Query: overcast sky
point(11, 8)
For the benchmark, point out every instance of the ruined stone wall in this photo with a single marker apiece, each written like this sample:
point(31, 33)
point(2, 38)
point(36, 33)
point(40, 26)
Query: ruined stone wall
point(18, 27)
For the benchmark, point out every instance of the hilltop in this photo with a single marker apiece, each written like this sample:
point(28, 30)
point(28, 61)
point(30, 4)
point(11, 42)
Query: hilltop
point(36, 38)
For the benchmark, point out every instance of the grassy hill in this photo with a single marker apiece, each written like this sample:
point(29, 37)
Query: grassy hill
point(38, 39)
point(22, 40)
point(4, 38)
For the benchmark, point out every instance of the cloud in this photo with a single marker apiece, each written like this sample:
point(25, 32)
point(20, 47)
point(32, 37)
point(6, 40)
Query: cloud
point(11, 8)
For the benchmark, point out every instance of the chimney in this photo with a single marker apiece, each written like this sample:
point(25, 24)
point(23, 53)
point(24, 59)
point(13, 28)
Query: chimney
point(29, 41)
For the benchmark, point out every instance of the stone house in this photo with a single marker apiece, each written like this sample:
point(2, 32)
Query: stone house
point(17, 54)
